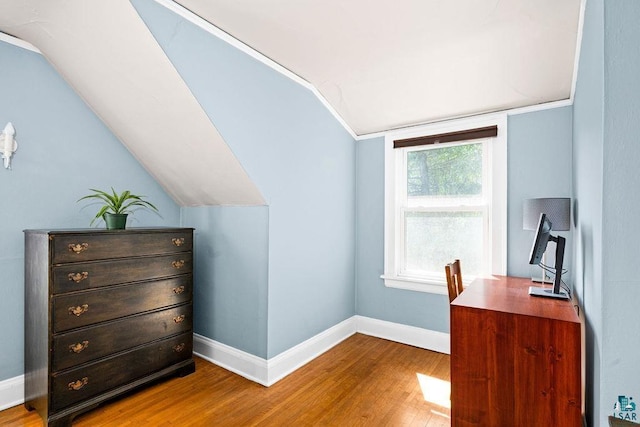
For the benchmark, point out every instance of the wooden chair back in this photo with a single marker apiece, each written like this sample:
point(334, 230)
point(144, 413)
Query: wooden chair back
point(454, 279)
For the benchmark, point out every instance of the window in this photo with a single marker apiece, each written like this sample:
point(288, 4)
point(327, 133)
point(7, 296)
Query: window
point(445, 198)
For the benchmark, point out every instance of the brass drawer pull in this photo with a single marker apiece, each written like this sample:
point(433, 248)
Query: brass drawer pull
point(78, 277)
point(179, 319)
point(178, 241)
point(178, 264)
point(77, 385)
point(78, 247)
point(79, 309)
point(178, 290)
point(78, 347)
point(179, 347)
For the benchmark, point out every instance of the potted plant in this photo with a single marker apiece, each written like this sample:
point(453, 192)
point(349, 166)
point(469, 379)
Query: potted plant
point(116, 207)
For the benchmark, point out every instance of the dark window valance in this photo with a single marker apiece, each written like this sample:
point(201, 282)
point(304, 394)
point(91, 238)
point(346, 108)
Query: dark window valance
point(462, 135)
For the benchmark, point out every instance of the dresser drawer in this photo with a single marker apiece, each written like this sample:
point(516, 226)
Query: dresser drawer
point(77, 347)
point(85, 308)
point(92, 379)
point(75, 277)
point(119, 244)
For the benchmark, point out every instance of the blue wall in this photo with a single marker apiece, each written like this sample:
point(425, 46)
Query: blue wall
point(302, 161)
point(231, 275)
point(620, 205)
point(539, 159)
point(588, 194)
point(539, 165)
point(63, 149)
point(606, 157)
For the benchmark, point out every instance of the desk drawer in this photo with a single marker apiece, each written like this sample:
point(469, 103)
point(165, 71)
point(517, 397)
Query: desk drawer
point(90, 380)
point(77, 347)
point(85, 308)
point(80, 276)
point(122, 244)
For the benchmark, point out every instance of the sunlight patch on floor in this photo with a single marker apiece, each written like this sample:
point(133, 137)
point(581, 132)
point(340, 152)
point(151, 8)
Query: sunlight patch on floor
point(435, 390)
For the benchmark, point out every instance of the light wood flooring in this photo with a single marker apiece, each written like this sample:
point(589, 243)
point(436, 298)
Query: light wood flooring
point(363, 381)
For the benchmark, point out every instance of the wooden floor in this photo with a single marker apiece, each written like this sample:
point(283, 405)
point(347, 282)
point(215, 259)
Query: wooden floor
point(363, 381)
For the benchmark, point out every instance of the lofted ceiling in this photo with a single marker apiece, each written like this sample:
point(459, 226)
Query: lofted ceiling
point(383, 65)
point(108, 56)
point(376, 65)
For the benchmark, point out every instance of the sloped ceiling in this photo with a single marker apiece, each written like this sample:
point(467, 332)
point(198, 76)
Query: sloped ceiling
point(107, 54)
point(391, 64)
point(379, 65)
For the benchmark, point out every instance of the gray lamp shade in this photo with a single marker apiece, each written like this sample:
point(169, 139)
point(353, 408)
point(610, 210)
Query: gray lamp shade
point(557, 209)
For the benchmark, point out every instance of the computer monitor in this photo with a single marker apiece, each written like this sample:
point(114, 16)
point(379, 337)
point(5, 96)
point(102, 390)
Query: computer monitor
point(542, 237)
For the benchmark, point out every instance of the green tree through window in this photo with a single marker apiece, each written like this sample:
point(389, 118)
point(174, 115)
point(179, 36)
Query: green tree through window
point(447, 171)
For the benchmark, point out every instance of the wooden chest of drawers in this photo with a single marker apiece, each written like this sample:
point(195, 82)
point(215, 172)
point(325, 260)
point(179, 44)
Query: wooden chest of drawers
point(105, 312)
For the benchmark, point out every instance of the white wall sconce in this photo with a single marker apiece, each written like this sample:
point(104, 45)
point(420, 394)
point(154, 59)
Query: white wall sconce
point(8, 144)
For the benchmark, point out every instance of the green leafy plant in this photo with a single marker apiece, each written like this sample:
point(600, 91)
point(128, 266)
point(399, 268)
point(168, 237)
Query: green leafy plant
point(115, 203)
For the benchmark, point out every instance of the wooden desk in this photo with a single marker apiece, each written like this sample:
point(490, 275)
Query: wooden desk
point(516, 360)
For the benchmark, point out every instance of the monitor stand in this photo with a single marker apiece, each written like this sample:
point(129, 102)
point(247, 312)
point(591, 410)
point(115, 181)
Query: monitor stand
point(547, 279)
point(547, 292)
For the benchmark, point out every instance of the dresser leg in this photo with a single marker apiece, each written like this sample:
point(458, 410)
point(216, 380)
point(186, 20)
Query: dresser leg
point(186, 370)
point(62, 421)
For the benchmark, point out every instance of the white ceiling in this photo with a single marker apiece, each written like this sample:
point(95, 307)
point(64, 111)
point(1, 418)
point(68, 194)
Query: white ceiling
point(106, 53)
point(379, 65)
point(390, 64)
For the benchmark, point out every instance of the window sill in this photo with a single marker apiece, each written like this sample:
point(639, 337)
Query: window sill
point(432, 286)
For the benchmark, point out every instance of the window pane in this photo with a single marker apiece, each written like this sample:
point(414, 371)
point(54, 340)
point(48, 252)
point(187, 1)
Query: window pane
point(433, 239)
point(451, 170)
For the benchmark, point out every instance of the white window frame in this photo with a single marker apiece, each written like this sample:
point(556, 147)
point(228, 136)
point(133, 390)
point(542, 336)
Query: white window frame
point(395, 184)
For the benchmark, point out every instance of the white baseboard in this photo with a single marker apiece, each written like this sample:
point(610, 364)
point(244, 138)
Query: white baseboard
point(11, 392)
point(412, 335)
point(286, 362)
point(268, 372)
point(251, 367)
